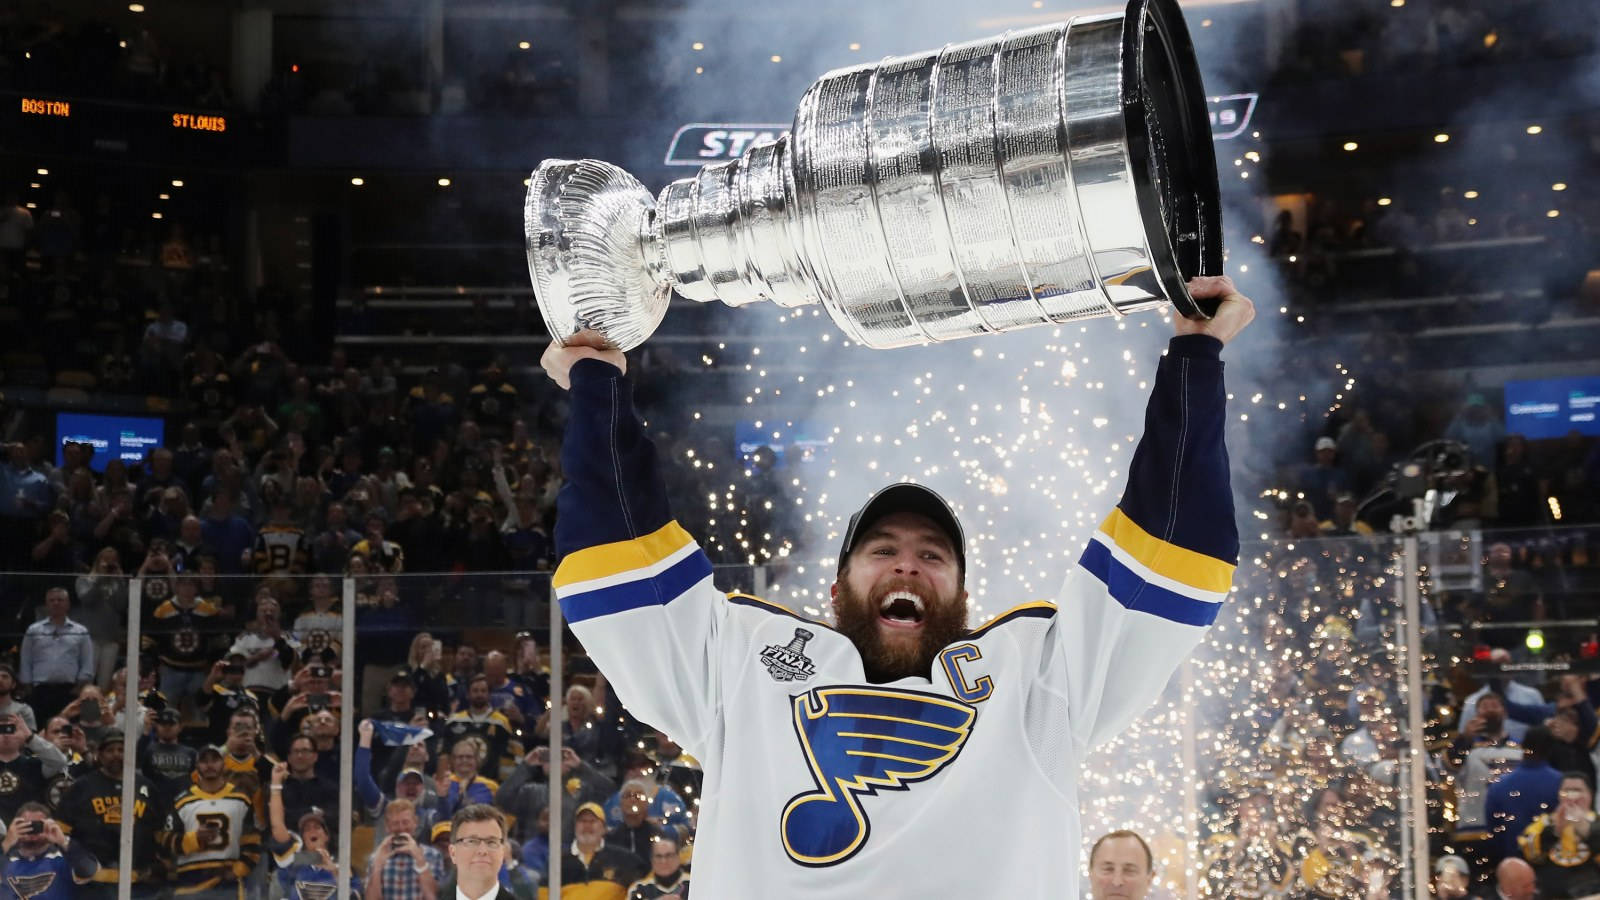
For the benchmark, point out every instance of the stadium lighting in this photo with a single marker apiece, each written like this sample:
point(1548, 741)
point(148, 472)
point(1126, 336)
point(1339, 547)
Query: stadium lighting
point(1559, 186)
point(1441, 138)
point(854, 46)
point(1384, 201)
point(1471, 195)
point(444, 182)
point(1350, 145)
point(1553, 213)
point(358, 181)
point(524, 45)
point(177, 182)
point(776, 58)
point(136, 7)
point(164, 196)
point(43, 171)
point(1535, 129)
point(697, 46)
point(155, 215)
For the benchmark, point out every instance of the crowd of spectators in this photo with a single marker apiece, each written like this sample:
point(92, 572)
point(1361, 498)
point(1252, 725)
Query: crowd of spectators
point(54, 55)
point(523, 84)
point(1307, 784)
point(1382, 36)
point(1348, 483)
point(239, 753)
point(293, 469)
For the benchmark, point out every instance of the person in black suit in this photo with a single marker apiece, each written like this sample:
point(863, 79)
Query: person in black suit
point(477, 850)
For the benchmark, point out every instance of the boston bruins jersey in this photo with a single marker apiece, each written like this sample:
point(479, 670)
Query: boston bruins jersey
point(1565, 854)
point(91, 812)
point(183, 636)
point(495, 731)
point(651, 888)
point(221, 703)
point(250, 777)
point(280, 549)
point(233, 849)
point(21, 781)
point(819, 783)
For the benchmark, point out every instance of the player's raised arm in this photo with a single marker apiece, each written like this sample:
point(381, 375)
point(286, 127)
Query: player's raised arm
point(1156, 572)
point(635, 587)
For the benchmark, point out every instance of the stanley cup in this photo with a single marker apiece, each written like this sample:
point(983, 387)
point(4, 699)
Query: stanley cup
point(1043, 176)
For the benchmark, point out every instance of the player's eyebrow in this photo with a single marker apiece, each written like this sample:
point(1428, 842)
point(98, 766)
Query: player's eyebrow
point(927, 535)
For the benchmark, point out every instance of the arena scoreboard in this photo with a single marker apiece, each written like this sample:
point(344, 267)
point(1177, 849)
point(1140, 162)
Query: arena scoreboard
point(46, 124)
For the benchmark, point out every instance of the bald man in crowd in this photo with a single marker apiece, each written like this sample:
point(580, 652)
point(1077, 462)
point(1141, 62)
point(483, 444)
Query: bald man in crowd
point(1513, 880)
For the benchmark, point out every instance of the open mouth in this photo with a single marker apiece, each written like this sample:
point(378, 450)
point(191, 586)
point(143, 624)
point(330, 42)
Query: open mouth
point(901, 609)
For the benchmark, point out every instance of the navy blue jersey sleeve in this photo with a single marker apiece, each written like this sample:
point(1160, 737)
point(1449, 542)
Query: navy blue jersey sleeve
point(613, 490)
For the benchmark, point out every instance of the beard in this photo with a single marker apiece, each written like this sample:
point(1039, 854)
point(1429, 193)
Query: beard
point(944, 621)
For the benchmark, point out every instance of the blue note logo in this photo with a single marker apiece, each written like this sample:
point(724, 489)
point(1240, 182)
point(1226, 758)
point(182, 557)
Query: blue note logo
point(858, 740)
point(28, 886)
point(316, 890)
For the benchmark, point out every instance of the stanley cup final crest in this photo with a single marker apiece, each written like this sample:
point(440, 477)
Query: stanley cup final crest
point(789, 661)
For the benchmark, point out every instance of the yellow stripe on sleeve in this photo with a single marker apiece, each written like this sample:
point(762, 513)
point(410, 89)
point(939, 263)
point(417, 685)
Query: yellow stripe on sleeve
point(621, 556)
point(1003, 617)
point(1180, 564)
point(778, 607)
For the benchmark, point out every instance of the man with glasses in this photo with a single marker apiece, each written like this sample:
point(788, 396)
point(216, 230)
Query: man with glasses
point(667, 879)
point(303, 788)
point(478, 850)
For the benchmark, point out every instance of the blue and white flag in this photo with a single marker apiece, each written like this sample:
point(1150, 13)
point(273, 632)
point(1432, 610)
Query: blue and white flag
point(395, 734)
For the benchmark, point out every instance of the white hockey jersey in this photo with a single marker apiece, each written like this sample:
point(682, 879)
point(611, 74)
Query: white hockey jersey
point(819, 784)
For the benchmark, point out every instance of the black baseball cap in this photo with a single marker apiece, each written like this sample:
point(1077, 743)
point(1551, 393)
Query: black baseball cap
point(168, 716)
point(109, 736)
point(905, 496)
